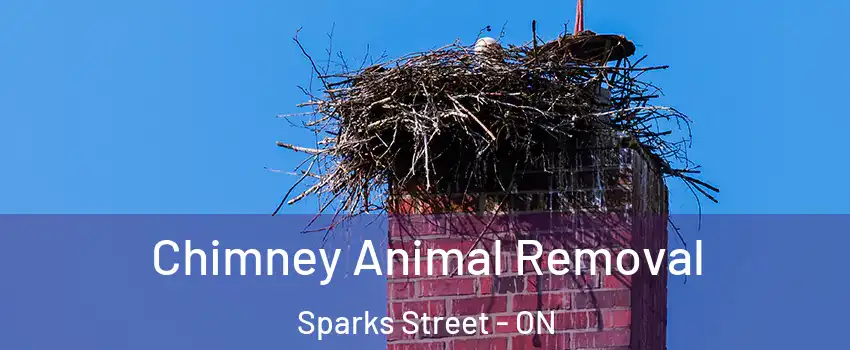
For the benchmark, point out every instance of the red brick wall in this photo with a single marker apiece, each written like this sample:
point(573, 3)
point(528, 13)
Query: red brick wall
point(649, 293)
point(591, 312)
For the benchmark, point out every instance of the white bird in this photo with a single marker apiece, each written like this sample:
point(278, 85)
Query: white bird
point(486, 44)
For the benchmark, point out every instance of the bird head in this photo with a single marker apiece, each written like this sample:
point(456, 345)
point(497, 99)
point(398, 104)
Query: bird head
point(486, 44)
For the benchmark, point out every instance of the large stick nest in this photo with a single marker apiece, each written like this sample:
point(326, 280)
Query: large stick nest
point(451, 120)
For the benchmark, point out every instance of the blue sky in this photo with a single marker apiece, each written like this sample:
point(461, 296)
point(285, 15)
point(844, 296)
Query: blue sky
point(169, 107)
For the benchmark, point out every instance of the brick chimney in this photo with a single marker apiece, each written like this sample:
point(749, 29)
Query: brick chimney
point(605, 195)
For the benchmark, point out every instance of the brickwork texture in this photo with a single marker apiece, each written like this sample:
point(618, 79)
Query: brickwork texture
point(621, 202)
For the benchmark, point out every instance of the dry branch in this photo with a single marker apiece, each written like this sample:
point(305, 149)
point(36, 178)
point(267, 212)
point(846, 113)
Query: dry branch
point(447, 116)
